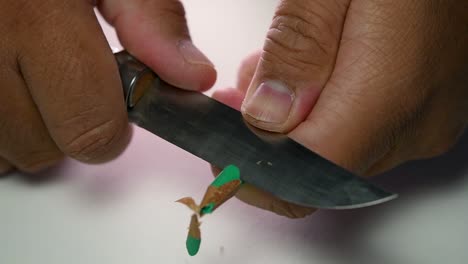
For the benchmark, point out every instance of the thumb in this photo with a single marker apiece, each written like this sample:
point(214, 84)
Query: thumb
point(155, 31)
point(297, 59)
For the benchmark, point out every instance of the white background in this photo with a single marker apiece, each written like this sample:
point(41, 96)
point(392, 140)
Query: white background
point(124, 211)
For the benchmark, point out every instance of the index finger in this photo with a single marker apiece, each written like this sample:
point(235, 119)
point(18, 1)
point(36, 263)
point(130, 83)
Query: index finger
point(73, 78)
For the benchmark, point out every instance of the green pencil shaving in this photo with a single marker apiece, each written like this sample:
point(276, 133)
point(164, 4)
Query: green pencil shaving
point(224, 186)
point(194, 237)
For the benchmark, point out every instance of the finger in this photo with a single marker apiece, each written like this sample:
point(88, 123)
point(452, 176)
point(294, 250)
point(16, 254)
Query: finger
point(234, 97)
point(24, 141)
point(247, 71)
point(264, 200)
point(231, 97)
point(156, 32)
point(361, 117)
point(297, 59)
point(390, 160)
point(73, 79)
point(5, 167)
point(248, 193)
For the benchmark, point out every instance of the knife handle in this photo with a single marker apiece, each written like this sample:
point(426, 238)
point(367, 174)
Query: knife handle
point(135, 76)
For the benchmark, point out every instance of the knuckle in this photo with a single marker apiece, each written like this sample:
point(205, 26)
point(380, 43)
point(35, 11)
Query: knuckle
point(448, 138)
point(441, 148)
point(96, 141)
point(301, 39)
point(434, 152)
point(174, 8)
point(288, 210)
point(33, 162)
point(174, 12)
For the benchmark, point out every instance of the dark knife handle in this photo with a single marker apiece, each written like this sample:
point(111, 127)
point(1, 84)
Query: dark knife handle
point(135, 76)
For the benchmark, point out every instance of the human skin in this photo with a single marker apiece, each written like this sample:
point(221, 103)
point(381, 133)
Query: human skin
point(366, 84)
point(60, 91)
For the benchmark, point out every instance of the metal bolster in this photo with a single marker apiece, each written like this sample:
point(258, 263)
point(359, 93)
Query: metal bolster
point(135, 76)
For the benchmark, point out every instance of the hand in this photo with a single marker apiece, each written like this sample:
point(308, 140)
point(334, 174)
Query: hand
point(60, 88)
point(366, 84)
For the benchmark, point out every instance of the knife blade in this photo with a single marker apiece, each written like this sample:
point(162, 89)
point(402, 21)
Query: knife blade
point(219, 135)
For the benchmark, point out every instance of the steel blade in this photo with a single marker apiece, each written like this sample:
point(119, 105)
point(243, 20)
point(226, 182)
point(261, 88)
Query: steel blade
point(219, 135)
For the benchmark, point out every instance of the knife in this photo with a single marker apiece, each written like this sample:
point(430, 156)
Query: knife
point(219, 135)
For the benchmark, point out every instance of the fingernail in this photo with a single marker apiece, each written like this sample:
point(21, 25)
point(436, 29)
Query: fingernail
point(270, 103)
point(192, 54)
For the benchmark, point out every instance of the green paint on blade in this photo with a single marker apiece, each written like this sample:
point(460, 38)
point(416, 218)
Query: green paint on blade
point(207, 209)
point(193, 245)
point(230, 173)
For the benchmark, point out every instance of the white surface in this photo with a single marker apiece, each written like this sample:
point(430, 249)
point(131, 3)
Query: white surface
point(123, 212)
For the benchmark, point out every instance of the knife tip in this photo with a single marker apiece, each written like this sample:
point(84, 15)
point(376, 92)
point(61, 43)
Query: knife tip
point(382, 200)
